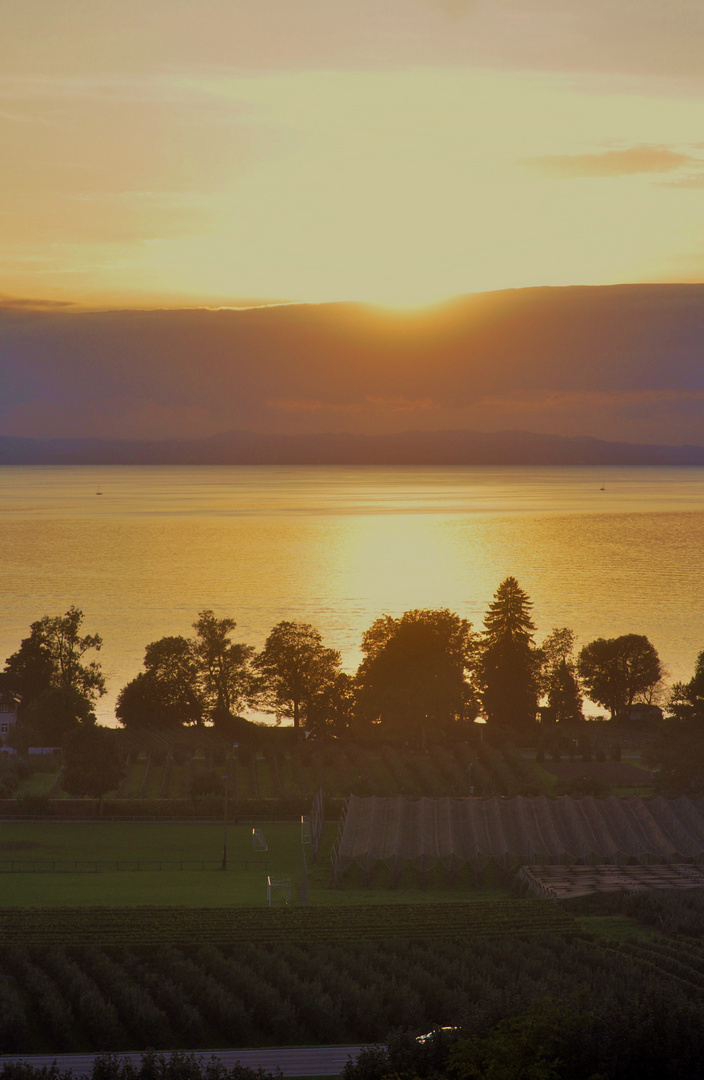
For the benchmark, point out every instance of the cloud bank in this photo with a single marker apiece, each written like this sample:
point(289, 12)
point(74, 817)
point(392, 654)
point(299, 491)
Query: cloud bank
point(616, 362)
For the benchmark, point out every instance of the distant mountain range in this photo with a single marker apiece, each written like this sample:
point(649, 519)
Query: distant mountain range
point(405, 448)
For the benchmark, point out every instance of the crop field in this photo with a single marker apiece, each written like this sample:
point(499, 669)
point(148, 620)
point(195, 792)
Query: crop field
point(299, 772)
point(173, 925)
point(302, 990)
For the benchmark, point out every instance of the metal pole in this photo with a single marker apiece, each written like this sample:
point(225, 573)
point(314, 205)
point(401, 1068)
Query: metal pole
point(224, 822)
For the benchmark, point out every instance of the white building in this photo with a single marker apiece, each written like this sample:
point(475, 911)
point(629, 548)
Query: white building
point(8, 716)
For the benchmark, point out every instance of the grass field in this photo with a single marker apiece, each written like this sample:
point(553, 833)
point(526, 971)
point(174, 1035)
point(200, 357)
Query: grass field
point(24, 844)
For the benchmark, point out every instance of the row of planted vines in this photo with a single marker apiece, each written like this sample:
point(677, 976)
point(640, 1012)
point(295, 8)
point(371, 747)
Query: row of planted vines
point(166, 771)
point(168, 996)
point(174, 925)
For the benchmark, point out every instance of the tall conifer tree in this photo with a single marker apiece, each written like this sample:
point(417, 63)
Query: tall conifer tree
point(510, 662)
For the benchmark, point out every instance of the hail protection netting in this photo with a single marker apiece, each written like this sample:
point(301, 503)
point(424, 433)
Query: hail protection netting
point(399, 832)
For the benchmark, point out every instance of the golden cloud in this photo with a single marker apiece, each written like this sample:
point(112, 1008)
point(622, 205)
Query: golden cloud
point(636, 159)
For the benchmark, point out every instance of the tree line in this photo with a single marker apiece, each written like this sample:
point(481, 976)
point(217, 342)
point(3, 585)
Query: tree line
point(427, 673)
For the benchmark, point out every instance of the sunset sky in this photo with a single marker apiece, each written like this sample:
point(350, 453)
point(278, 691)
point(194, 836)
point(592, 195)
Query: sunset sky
point(168, 153)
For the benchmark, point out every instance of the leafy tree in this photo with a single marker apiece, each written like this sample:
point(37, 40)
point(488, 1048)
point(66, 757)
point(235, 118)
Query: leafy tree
point(49, 719)
point(618, 671)
point(510, 661)
point(224, 666)
point(524, 1047)
point(167, 693)
point(417, 673)
point(53, 657)
point(91, 764)
point(677, 753)
point(335, 708)
point(190, 681)
point(686, 700)
point(558, 675)
point(297, 670)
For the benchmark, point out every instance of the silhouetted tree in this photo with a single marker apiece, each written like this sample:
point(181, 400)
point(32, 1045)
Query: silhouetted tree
point(417, 674)
point(224, 667)
point(510, 661)
point(616, 672)
point(335, 708)
point(190, 680)
point(686, 700)
point(52, 658)
point(297, 670)
point(558, 675)
point(167, 693)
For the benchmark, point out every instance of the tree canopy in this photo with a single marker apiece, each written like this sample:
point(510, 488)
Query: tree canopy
point(558, 675)
point(617, 671)
point(52, 657)
point(686, 700)
point(186, 681)
point(416, 674)
point(91, 765)
point(297, 671)
point(510, 661)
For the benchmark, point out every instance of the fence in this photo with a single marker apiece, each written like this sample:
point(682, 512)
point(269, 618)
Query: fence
point(206, 809)
point(97, 866)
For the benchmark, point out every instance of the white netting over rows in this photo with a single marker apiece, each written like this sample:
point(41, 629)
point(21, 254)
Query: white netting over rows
point(398, 832)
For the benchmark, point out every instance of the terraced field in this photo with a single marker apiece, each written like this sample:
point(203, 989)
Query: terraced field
point(148, 925)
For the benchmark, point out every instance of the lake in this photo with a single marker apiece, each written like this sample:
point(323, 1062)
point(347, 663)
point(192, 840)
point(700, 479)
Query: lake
point(605, 551)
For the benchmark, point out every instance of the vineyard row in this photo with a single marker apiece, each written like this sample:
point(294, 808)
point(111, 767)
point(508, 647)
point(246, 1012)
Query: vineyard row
point(412, 922)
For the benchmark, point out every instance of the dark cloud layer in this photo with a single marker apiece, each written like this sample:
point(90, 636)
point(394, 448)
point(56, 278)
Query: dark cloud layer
point(619, 362)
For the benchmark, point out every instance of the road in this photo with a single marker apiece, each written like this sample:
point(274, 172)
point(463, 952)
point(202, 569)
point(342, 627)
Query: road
point(291, 1060)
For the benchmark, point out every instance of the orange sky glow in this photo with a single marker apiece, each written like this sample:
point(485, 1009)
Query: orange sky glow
point(163, 153)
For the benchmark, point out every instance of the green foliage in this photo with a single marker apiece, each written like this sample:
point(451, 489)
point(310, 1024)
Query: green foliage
point(52, 657)
point(351, 923)
point(165, 695)
point(226, 678)
point(190, 680)
point(675, 912)
point(686, 701)
point(510, 662)
point(209, 782)
point(523, 1047)
point(415, 678)
point(677, 753)
point(558, 675)
point(539, 1005)
point(91, 765)
point(618, 671)
point(51, 717)
point(151, 1066)
point(298, 673)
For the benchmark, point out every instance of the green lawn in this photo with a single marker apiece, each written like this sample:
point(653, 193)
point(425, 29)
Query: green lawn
point(240, 885)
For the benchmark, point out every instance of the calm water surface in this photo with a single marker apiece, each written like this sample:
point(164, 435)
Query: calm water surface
point(339, 546)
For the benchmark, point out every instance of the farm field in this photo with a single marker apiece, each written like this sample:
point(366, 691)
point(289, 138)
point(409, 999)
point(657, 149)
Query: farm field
point(182, 926)
point(43, 855)
point(305, 990)
point(295, 774)
point(58, 863)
